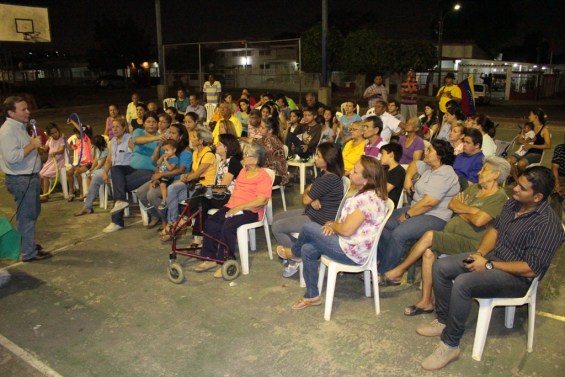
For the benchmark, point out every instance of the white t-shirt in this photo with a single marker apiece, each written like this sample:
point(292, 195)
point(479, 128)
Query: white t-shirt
point(390, 126)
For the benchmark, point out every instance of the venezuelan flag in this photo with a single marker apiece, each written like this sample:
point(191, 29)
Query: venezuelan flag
point(468, 95)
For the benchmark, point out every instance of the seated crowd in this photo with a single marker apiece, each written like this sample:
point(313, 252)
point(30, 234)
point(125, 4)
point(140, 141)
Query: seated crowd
point(443, 178)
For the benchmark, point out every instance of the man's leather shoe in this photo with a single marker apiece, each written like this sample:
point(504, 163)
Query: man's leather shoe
point(41, 255)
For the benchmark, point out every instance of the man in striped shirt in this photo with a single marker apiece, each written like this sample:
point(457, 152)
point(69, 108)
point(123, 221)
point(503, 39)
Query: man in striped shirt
point(409, 96)
point(518, 248)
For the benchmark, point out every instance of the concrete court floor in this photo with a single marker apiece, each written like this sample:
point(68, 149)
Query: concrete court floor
point(103, 306)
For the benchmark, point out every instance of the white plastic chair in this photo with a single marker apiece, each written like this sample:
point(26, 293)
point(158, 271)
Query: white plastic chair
point(281, 187)
point(369, 266)
point(302, 169)
point(346, 185)
point(371, 111)
point(210, 108)
point(169, 102)
point(485, 310)
point(246, 234)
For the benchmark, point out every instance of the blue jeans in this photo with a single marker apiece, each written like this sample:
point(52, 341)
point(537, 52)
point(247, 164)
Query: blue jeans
point(310, 246)
point(151, 198)
point(95, 182)
point(176, 193)
point(395, 236)
point(455, 287)
point(124, 179)
point(25, 190)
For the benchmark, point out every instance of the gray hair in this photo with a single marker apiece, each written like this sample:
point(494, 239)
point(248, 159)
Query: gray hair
point(418, 122)
point(257, 150)
point(205, 135)
point(499, 165)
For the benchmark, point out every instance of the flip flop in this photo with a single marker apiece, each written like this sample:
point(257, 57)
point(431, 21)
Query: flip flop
point(386, 282)
point(306, 302)
point(413, 310)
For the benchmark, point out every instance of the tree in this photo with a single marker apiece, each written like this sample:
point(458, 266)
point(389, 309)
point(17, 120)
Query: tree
point(311, 41)
point(360, 51)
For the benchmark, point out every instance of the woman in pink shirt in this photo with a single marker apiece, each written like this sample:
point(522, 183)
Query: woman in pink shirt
point(252, 191)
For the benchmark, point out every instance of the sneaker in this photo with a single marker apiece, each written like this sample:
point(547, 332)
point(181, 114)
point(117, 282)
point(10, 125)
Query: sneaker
point(434, 328)
point(290, 269)
point(120, 205)
point(442, 356)
point(112, 227)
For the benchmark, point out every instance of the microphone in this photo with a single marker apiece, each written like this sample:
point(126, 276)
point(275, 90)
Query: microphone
point(32, 121)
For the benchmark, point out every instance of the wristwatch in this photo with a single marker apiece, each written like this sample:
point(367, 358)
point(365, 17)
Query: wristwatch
point(489, 265)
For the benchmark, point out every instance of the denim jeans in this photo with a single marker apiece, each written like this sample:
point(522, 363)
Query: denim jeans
point(176, 193)
point(151, 198)
point(124, 179)
point(286, 223)
point(25, 190)
point(96, 181)
point(310, 246)
point(394, 237)
point(455, 287)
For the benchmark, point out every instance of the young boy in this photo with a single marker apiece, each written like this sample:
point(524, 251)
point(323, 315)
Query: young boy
point(167, 162)
point(306, 143)
point(395, 173)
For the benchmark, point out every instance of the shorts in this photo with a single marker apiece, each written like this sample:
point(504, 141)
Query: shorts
point(167, 180)
point(532, 158)
point(452, 244)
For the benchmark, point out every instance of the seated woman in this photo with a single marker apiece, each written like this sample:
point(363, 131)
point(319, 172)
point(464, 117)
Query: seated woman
point(229, 167)
point(275, 159)
point(456, 136)
point(474, 210)
point(429, 122)
point(321, 200)
point(203, 166)
point(412, 144)
point(252, 191)
point(437, 184)
point(126, 178)
point(355, 147)
point(349, 117)
point(226, 127)
point(347, 240)
point(534, 151)
point(488, 129)
point(151, 197)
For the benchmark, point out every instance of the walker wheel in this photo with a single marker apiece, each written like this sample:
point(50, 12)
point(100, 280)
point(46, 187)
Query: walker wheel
point(230, 270)
point(175, 273)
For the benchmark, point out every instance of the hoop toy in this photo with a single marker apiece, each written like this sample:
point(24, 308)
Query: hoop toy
point(80, 128)
point(56, 178)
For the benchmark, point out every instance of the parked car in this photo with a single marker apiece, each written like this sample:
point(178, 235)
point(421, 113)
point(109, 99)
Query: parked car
point(111, 81)
point(482, 94)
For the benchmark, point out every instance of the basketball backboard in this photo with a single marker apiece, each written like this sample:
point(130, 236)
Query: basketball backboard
point(24, 24)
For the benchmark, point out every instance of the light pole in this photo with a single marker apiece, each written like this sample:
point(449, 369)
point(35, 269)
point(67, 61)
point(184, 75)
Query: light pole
point(442, 15)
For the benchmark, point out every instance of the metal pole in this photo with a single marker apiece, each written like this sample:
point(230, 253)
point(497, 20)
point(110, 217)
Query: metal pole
point(200, 76)
point(160, 50)
point(300, 72)
point(246, 61)
point(439, 48)
point(324, 78)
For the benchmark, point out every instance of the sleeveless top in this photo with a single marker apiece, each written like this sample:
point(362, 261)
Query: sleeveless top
point(539, 140)
point(121, 154)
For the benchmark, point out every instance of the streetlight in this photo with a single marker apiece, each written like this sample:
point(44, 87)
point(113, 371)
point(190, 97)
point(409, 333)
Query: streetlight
point(442, 15)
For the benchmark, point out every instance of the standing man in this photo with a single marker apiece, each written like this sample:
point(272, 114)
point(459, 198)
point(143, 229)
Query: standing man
point(212, 90)
point(409, 96)
point(377, 91)
point(20, 162)
point(448, 92)
point(518, 248)
point(131, 111)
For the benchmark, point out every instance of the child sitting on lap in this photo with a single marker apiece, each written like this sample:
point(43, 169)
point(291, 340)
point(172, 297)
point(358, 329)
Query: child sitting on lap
point(167, 162)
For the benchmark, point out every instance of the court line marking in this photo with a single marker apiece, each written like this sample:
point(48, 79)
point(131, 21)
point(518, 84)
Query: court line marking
point(28, 358)
point(552, 316)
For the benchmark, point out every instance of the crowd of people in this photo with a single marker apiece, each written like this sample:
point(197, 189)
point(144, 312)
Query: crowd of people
point(444, 162)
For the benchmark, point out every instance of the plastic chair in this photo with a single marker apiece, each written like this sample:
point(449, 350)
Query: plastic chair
point(169, 102)
point(371, 111)
point(246, 234)
point(369, 266)
point(210, 108)
point(302, 168)
point(346, 185)
point(281, 187)
point(485, 310)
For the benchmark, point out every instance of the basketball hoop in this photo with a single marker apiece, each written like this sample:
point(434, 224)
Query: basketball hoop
point(32, 37)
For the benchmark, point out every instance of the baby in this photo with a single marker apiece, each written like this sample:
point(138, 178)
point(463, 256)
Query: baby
point(529, 135)
point(166, 163)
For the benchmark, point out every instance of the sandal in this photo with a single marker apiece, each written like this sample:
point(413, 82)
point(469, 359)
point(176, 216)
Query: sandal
point(85, 211)
point(413, 310)
point(165, 235)
point(306, 302)
point(286, 253)
point(384, 281)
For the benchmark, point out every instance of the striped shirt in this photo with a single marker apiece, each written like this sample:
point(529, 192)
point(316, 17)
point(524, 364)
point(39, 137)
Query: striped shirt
point(532, 237)
point(408, 92)
point(559, 159)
